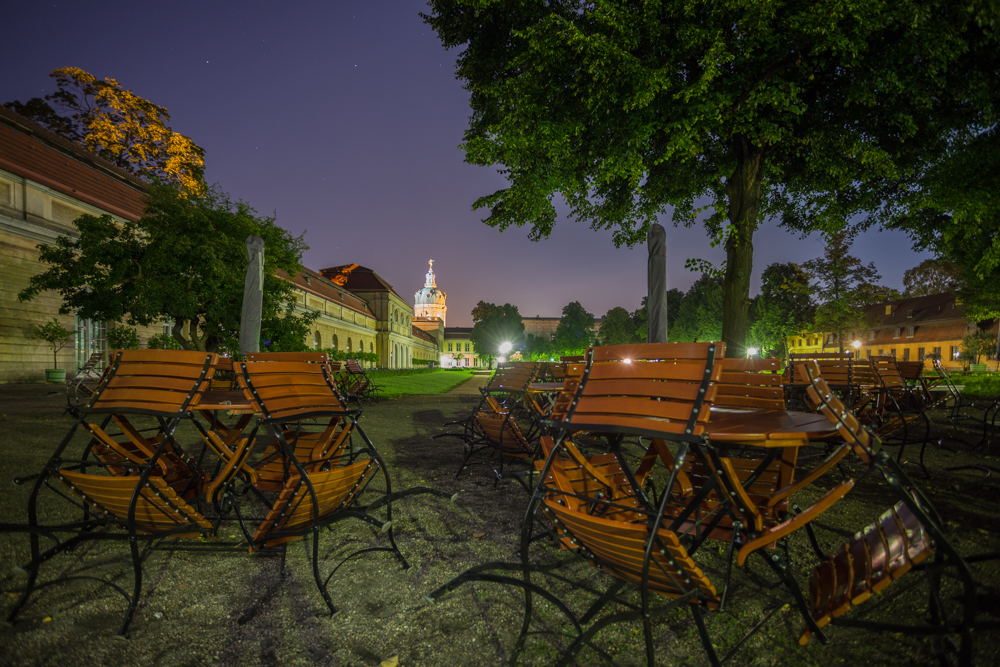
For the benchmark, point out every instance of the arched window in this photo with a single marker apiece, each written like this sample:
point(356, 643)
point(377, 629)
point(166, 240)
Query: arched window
point(317, 341)
point(371, 348)
point(349, 348)
point(335, 341)
point(361, 346)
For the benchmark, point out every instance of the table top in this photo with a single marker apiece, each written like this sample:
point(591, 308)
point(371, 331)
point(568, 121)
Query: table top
point(767, 426)
point(223, 400)
point(545, 386)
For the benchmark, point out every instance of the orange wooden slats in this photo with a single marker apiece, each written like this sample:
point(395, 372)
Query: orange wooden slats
point(312, 357)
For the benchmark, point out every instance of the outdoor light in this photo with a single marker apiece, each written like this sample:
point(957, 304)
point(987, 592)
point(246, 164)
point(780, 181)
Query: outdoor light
point(505, 348)
point(752, 351)
point(856, 345)
point(500, 360)
point(627, 361)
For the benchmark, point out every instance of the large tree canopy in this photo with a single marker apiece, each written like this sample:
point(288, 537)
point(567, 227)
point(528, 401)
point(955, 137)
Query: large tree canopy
point(575, 332)
point(493, 325)
point(783, 308)
point(183, 262)
point(117, 125)
point(813, 112)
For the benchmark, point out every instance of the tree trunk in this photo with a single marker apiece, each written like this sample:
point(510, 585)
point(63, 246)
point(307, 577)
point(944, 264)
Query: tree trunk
point(743, 189)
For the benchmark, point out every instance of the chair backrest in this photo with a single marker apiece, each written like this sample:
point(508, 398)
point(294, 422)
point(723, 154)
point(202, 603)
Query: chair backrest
point(910, 370)
point(353, 367)
point(888, 372)
point(836, 367)
point(863, 374)
point(158, 382)
point(595, 514)
point(310, 357)
point(157, 507)
point(290, 390)
point(751, 383)
point(504, 434)
point(615, 390)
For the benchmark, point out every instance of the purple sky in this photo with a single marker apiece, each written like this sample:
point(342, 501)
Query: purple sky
point(344, 119)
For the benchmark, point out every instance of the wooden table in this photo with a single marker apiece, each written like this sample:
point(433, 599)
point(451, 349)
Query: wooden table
point(768, 428)
point(543, 396)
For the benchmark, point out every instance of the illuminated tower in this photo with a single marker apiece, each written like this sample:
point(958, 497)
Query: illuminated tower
point(428, 303)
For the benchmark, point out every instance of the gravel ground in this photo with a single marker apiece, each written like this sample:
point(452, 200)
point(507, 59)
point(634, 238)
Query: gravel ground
point(234, 608)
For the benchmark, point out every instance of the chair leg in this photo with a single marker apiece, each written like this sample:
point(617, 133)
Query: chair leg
point(316, 575)
point(774, 561)
point(706, 641)
point(133, 544)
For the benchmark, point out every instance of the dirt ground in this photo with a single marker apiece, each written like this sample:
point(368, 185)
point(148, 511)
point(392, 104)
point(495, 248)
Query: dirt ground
point(233, 608)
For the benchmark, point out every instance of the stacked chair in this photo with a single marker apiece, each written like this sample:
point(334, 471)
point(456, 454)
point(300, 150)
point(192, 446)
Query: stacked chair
point(139, 485)
point(604, 510)
point(501, 423)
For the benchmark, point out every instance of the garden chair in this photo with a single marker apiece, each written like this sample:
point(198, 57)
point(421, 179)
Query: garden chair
point(899, 542)
point(132, 496)
point(902, 406)
point(323, 482)
point(84, 383)
point(356, 384)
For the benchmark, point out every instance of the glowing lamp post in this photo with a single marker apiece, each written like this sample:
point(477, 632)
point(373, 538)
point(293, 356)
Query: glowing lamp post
point(752, 351)
point(504, 349)
point(857, 347)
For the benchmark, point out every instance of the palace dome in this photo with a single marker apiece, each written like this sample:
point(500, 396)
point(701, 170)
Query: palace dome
point(429, 301)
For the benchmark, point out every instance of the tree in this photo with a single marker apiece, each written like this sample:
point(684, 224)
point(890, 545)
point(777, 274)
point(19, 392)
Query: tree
point(783, 308)
point(618, 328)
point(494, 325)
point(815, 112)
point(55, 335)
point(183, 261)
point(575, 332)
point(537, 348)
point(932, 276)
point(117, 125)
point(699, 316)
point(978, 343)
point(842, 285)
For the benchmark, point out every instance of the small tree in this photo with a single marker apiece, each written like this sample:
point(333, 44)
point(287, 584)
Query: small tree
point(575, 332)
point(977, 344)
point(55, 335)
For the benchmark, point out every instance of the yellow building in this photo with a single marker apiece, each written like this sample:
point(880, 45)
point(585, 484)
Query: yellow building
point(459, 351)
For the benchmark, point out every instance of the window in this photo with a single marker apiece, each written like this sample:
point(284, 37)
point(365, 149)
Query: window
point(335, 341)
point(910, 331)
point(317, 339)
point(892, 352)
point(830, 337)
point(896, 332)
point(955, 352)
point(90, 338)
point(449, 347)
point(920, 353)
point(937, 352)
point(466, 348)
point(466, 360)
point(881, 352)
point(869, 354)
point(909, 314)
point(871, 335)
point(906, 354)
point(349, 345)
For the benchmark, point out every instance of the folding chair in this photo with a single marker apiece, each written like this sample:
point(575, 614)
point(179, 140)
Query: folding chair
point(138, 495)
point(323, 481)
point(899, 542)
point(83, 384)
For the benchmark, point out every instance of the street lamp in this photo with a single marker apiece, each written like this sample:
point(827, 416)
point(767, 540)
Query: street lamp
point(751, 351)
point(505, 348)
point(857, 349)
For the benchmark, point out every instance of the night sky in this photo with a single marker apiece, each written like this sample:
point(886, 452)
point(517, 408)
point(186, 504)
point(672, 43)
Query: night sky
point(344, 120)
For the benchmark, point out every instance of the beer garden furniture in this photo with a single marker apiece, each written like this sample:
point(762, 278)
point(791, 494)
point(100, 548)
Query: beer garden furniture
point(597, 505)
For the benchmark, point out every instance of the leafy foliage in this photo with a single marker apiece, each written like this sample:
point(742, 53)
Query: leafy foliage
point(813, 112)
point(783, 308)
point(55, 335)
point(618, 328)
point(123, 338)
point(117, 125)
point(977, 344)
point(184, 262)
point(575, 332)
point(699, 315)
point(493, 325)
point(162, 342)
point(842, 286)
point(932, 276)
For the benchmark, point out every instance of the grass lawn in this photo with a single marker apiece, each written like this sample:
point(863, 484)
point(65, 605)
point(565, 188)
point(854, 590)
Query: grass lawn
point(979, 385)
point(428, 382)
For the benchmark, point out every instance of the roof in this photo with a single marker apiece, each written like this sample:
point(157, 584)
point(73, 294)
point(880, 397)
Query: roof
point(917, 310)
point(420, 333)
point(33, 152)
point(319, 286)
point(457, 332)
point(358, 278)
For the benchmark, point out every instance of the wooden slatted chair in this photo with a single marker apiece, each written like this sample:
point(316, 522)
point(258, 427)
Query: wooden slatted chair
point(597, 506)
point(899, 542)
point(903, 406)
point(357, 385)
point(301, 407)
point(133, 493)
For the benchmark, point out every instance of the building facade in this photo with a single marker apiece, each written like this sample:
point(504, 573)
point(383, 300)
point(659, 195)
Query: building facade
point(913, 329)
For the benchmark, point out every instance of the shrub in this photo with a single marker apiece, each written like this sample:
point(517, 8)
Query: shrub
point(123, 338)
point(163, 342)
